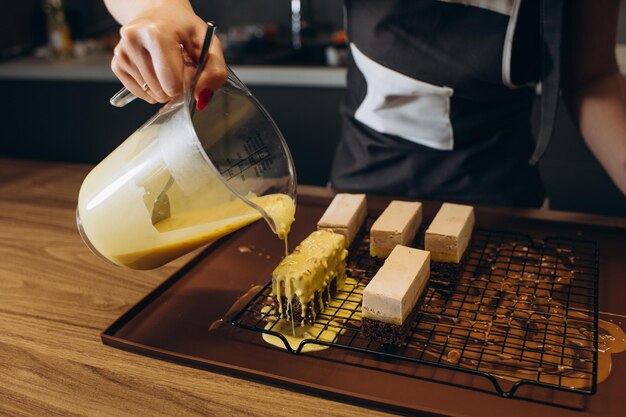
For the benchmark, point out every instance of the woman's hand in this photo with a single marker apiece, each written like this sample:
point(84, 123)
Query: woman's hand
point(148, 58)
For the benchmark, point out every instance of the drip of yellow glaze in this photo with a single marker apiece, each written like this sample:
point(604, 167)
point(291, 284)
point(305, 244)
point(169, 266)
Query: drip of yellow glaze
point(296, 335)
point(342, 307)
point(315, 262)
point(286, 247)
point(280, 208)
point(293, 328)
point(239, 303)
point(613, 339)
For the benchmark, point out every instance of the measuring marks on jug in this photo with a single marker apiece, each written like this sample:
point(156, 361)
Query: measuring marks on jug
point(254, 154)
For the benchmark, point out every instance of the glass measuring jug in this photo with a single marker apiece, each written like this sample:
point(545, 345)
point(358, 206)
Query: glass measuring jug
point(186, 178)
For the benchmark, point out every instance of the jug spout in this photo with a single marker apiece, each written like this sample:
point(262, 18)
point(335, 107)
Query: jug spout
point(278, 210)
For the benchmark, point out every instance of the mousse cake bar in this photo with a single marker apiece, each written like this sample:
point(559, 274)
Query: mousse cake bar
point(397, 225)
point(306, 280)
point(345, 215)
point(448, 238)
point(390, 298)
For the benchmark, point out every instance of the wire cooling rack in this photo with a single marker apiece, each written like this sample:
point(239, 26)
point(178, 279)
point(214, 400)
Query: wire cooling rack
point(523, 311)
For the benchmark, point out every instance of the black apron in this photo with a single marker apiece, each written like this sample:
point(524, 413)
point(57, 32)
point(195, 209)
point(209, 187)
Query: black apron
point(479, 90)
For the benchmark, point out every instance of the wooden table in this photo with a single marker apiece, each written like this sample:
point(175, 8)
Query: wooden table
point(56, 297)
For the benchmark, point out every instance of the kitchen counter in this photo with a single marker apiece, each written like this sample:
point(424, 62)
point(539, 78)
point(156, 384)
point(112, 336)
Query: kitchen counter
point(56, 298)
point(96, 68)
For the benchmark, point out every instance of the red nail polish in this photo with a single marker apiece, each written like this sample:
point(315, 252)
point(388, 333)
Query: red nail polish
point(204, 97)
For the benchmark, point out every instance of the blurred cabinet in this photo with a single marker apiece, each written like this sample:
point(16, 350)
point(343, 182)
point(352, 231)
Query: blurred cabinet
point(73, 121)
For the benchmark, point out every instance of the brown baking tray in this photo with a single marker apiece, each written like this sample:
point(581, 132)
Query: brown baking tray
point(173, 322)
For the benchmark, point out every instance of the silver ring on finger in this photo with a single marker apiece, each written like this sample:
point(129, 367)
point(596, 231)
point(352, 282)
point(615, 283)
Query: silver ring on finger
point(145, 87)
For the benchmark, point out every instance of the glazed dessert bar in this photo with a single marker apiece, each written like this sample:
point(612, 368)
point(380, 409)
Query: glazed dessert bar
point(448, 237)
point(390, 298)
point(345, 215)
point(397, 225)
point(305, 280)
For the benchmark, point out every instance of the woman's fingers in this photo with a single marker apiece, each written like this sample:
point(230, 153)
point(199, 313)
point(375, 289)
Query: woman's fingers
point(129, 76)
point(137, 42)
point(213, 76)
point(168, 69)
point(130, 83)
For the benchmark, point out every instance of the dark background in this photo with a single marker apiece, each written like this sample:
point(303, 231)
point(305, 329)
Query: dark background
point(72, 120)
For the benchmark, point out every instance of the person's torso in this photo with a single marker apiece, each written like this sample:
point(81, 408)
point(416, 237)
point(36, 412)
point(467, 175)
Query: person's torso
point(440, 80)
point(429, 63)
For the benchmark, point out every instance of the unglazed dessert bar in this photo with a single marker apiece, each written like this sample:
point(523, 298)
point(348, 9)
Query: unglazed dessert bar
point(390, 298)
point(305, 280)
point(397, 225)
point(448, 237)
point(345, 215)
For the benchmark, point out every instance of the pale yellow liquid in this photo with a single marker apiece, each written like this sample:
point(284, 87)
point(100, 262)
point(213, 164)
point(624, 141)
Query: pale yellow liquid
point(116, 214)
point(197, 228)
